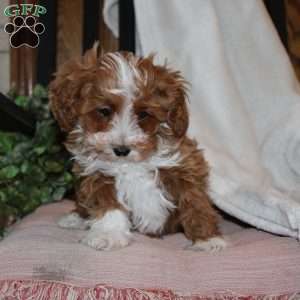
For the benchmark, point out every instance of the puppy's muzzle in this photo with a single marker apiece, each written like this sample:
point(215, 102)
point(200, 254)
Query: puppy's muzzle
point(121, 150)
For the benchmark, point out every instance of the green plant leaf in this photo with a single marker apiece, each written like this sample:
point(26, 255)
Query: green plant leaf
point(53, 166)
point(30, 206)
point(25, 167)
point(54, 149)
point(40, 150)
point(34, 170)
point(9, 172)
point(22, 101)
point(39, 91)
point(6, 142)
point(68, 177)
point(3, 197)
point(35, 174)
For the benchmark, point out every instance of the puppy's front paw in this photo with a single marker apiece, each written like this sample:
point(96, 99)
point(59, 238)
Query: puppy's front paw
point(110, 240)
point(214, 244)
point(73, 221)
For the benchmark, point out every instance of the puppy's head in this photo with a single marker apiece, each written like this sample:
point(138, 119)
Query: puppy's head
point(118, 105)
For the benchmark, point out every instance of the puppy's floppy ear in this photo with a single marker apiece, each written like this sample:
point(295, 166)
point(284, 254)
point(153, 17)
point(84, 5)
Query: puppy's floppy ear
point(64, 90)
point(60, 96)
point(172, 88)
point(178, 118)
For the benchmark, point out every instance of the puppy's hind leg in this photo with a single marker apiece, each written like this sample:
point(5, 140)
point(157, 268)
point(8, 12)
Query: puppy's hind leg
point(200, 223)
point(214, 244)
point(73, 221)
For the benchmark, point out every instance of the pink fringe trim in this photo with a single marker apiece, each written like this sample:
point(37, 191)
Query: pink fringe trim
point(47, 290)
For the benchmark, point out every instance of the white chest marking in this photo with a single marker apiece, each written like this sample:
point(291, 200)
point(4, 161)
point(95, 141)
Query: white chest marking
point(137, 185)
point(139, 191)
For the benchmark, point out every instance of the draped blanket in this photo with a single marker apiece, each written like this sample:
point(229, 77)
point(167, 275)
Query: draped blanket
point(244, 100)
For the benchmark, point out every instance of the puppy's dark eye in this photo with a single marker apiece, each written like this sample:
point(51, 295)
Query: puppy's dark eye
point(104, 111)
point(142, 115)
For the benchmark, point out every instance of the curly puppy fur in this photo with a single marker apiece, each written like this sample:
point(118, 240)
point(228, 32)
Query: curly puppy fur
point(126, 121)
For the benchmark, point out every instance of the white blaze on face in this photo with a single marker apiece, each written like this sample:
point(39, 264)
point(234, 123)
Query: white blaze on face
point(125, 129)
point(126, 72)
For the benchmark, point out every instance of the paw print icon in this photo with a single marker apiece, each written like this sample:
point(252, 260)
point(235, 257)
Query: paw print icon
point(24, 31)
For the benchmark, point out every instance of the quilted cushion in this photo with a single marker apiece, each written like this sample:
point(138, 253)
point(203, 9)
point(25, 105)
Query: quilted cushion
point(256, 263)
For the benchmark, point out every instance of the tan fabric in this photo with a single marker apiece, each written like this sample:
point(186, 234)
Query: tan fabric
point(255, 263)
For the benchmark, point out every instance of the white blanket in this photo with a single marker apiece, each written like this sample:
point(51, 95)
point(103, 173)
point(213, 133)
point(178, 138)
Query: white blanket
point(245, 104)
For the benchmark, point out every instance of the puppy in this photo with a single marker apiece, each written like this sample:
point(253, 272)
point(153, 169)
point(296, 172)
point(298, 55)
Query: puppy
point(126, 121)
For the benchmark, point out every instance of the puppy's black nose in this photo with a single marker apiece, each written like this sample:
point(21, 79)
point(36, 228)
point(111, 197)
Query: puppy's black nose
point(121, 150)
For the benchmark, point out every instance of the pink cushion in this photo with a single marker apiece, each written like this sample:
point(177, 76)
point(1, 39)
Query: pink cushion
point(256, 263)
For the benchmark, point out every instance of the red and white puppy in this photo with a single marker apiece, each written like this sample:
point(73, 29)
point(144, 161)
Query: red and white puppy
point(126, 120)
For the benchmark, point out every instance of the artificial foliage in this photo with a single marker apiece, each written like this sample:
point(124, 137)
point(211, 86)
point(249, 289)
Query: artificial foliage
point(33, 170)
